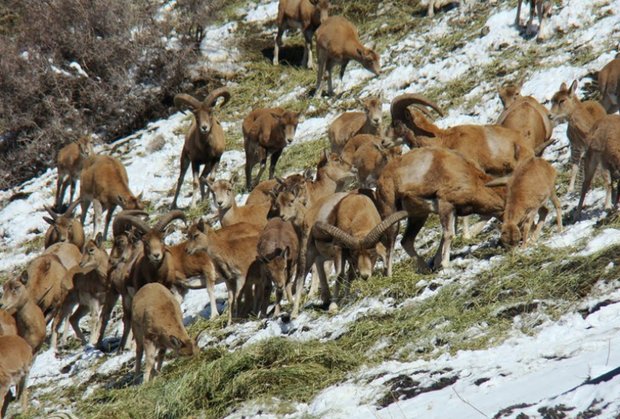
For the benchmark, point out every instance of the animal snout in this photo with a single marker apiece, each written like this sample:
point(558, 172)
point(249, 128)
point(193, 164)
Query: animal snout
point(289, 140)
point(156, 256)
point(376, 121)
point(364, 275)
point(220, 203)
point(204, 129)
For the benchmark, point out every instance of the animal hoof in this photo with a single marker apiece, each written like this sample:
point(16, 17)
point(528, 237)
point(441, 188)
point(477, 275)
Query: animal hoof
point(333, 308)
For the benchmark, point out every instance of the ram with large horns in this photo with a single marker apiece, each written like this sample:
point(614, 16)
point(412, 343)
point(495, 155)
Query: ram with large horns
point(204, 141)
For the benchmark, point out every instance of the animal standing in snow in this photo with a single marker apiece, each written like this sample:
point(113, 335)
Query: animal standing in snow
point(609, 85)
point(540, 8)
point(69, 165)
point(15, 363)
point(29, 320)
point(337, 42)
point(64, 227)
point(204, 141)
point(350, 124)
point(306, 15)
point(229, 213)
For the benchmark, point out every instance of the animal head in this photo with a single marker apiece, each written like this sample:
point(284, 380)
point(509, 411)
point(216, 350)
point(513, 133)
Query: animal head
point(62, 225)
point(509, 94)
point(370, 60)
point(275, 267)
point(288, 122)
point(334, 167)
point(130, 202)
point(197, 239)
point(563, 102)
point(321, 9)
point(203, 111)
point(223, 191)
point(85, 145)
point(184, 346)
point(290, 205)
point(372, 107)
point(121, 250)
point(14, 296)
point(94, 256)
point(511, 235)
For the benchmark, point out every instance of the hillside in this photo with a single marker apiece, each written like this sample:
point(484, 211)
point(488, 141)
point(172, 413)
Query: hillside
point(524, 333)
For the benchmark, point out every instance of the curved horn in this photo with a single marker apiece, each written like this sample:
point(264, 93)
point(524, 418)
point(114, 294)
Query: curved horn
point(374, 235)
point(424, 110)
point(338, 234)
point(120, 226)
point(183, 100)
point(214, 95)
point(51, 212)
point(400, 104)
point(72, 207)
point(168, 218)
point(135, 221)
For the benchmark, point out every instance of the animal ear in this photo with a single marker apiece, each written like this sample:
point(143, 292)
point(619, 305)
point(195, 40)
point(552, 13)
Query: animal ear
point(176, 343)
point(49, 221)
point(309, 174)
point(121, 200)
point(573, 87)
point(99, 240)
point(234, 177)
point(24, 277)
point(139, 197)
point(360, 53)
point(201, 225)
point(285, 253)
point(325, 154)
point(563, 87)
point(501, 181)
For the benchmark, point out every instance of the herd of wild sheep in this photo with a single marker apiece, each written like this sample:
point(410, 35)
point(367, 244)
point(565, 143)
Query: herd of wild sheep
point(290, 226)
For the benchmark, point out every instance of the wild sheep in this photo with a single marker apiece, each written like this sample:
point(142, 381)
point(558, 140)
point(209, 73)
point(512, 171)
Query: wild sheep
point(540, 8)
point(90, 291)
point(104, 182)
point(331, 175)
point(155, 263)
point(228, 211)
point(525, 115)
point(368, 156)
point(604, 150)
point(306, 15)
point(528, 188)
point(278, 252)
point(350, 124)
point(232, 250)
point(29, 319)
point(609, 85)
point(337, 42)
point(581, 117)
point(64, 227)
point(435, 180)
point(69, 163)
point(15, 362)
point(204, 141)
point(157, 325)
point(265, 134)
point(334, 223)
point(47, 282)
point(268, 190)
point(7, 323)
point(68, 254)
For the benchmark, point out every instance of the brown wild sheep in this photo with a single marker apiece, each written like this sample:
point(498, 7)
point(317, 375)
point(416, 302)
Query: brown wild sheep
point(64, 227)
point(609, 85)
point(604, 150)
point(435, 180)
point(104, 182)
point(7, 323)
point(229, 213)
point(581, 117)
point(268, 190)
point(528, 188)
point(15, 363)
point(306, 15)
point(47, 282)
point(69, 163)
point(265, 134)
point(204, 141)
point(350, 124)
point(157, 325)
point(368, 156)
point(337, 42)
point(232, 250)
point(540, 8)
point(29, 319)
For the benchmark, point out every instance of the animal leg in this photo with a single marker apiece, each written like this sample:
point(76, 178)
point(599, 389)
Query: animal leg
point(558, 210)
point(108, 218)
point(414, 225)
point(321, 61)
point(261, 170)
point(97, 209)
point(195, 183)
point(150, 352)
point(211, 293)
point(591, 164)
point(608, 188)
point(95, 323)
point(272, 163)
point(307, 60)
point(325, 294)
point(126, 300)
point(139, 353)
point(277, 46)
point(330, 87)
point(208, 172)
point(72, 193)
point(528, 29)
point(518, 18)
point(84, 204)
point(542, 216)
point(108, 305)
point(160, 359)
point(231, 299)
point(184, 167)
point(446, 217)
point(75, 322)
point(306, 260)
point(343, 67)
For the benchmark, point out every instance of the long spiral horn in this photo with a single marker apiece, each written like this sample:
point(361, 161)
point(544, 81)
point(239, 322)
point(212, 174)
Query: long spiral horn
point(374, 235)
point(214, 95)
point(167, 219)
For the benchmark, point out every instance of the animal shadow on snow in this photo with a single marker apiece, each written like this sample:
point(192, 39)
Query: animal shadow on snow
point(290, 55)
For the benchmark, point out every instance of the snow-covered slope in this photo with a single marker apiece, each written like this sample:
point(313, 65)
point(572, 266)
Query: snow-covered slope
point(551, 368)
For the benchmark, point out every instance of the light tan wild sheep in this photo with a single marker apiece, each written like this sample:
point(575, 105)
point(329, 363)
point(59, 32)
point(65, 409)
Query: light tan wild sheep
point(229, 213)
point(306, 15)
point(7, 323)
point(350, 124)
point(528, 189)
point(232, 250)
point(581, 117)
point(434, 180)
point(604, 150)
point(64, 227)
point(69, 163)
point(368, 156)
point(104, 182)
point(157, 325)
point(268, 190)
point(609, 85)
point(48, 284)
point(337, 42)
point(265, 134)
point(15, 363)
point(29, 319)
point(204, 141)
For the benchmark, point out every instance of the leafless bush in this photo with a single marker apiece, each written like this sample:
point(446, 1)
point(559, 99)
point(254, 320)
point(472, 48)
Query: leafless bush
point(74, 66)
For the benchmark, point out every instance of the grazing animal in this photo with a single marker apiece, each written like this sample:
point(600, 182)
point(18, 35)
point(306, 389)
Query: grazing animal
point(104, 182)
point(265, 134)
point(604, 151)
point(15, 362)
point(64, 227)
point(157, 325)
point(337, 42)
point(528, 188)
point(581, 117)
point(29, 320)
point(350, 124)
point(69, 163)
point(204, 141)
point(306, 15)
point(540, 8)
point(368, 156)
point(609, 85)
